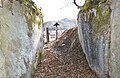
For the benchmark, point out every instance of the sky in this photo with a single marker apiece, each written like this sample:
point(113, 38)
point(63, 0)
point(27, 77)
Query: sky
point(54, 10)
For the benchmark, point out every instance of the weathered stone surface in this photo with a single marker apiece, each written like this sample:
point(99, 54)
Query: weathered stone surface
point(94, 35)
point(101, 45)
point(115, 40)
point(20, 47)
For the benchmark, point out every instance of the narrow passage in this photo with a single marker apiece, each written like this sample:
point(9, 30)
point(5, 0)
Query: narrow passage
point(64, 58)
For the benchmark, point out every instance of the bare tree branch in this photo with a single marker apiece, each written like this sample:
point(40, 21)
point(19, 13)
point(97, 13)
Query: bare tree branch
point(74, 1)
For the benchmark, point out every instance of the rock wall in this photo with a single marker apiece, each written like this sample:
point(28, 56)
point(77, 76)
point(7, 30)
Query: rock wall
point(21, 39)
point(94, 34)
point(115, 39)
point(99, 30)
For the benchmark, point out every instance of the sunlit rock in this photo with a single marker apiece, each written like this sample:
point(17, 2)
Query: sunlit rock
point(21, 40)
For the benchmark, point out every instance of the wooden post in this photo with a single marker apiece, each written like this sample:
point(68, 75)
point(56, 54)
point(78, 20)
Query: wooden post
point(56, 24)
point(56, 33)
point(47, 35)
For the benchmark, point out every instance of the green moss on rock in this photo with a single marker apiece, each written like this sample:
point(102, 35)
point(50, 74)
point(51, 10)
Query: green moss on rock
point(101, 19)
point(22, 76)
point(32, 13)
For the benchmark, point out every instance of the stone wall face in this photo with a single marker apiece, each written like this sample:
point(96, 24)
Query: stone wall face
point(20, 47)
point(94, 35)
point(96, 47)
point(99, 30)
point(115, 39)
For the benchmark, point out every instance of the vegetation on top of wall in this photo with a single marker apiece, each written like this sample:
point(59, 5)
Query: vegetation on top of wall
point(32, 12)
point(101, 15)
point(89, 4)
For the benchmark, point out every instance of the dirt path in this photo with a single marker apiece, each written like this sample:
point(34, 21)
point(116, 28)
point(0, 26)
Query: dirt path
point(64, 58)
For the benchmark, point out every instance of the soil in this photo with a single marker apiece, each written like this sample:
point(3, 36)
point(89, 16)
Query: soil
point(64, 58)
